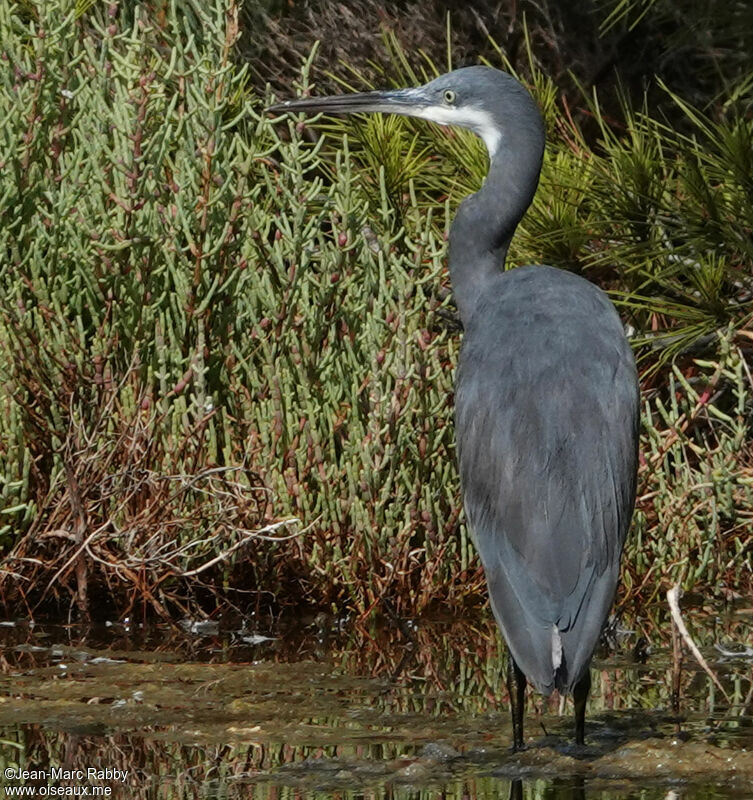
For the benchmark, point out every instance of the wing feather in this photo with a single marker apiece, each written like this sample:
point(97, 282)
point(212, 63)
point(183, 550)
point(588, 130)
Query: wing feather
point(546, 424)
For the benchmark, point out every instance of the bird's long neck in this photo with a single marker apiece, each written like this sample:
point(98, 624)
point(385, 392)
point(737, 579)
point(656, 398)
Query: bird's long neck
point(486, 221)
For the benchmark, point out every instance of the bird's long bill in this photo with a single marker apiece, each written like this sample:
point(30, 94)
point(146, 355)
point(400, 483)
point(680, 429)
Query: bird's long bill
point(399, 101)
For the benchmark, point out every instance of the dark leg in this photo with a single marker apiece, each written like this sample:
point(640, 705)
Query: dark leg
point(580, 695)
point(516, 790)
point(516, 686)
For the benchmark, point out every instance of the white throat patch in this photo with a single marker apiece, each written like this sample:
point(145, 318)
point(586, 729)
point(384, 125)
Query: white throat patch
point(480, 122)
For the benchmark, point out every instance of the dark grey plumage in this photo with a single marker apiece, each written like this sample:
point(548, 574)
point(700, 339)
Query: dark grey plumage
point(546, 410)
point(546, 403)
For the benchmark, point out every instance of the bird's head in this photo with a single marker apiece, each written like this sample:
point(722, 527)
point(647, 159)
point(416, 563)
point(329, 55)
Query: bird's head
point(487, 101)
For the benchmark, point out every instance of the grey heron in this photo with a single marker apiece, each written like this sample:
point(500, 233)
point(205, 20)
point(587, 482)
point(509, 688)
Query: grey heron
point(546, 398)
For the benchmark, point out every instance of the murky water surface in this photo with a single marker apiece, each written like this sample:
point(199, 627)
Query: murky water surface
point(331, 708)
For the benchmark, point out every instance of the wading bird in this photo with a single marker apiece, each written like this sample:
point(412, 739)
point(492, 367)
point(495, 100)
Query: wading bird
point(546, 398)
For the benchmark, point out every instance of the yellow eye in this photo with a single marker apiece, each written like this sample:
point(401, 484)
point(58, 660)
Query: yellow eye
point(449, 96)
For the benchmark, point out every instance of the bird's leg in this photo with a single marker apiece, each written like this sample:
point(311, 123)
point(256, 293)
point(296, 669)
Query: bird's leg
point(580, 695)
point(516, 686)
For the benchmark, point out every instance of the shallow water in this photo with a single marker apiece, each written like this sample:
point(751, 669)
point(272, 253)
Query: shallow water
point(329, 708)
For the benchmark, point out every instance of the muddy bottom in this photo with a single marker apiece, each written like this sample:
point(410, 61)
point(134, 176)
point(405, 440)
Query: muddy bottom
point(330, 710)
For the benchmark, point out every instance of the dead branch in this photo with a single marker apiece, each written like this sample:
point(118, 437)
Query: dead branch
point(674, 607)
